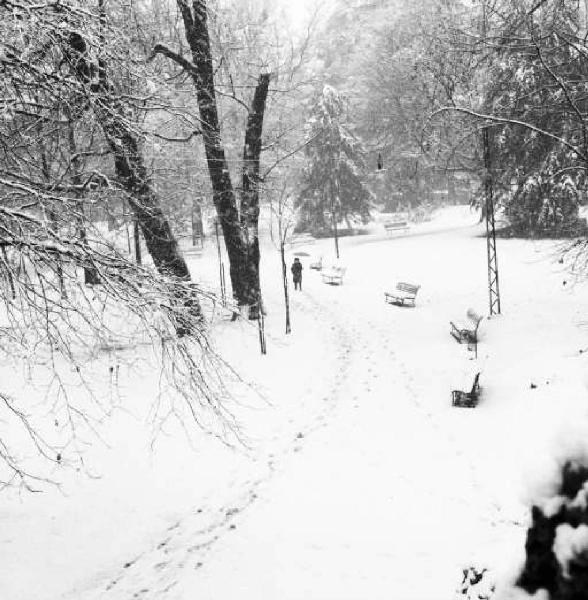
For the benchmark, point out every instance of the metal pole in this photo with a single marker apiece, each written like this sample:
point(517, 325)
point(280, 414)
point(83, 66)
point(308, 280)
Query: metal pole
point(334, 215)
point(493, 284)
point(336, 236)
point(220, 262)
point(261, 329)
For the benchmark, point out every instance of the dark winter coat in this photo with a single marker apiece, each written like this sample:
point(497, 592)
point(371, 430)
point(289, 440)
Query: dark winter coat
point(297, 270)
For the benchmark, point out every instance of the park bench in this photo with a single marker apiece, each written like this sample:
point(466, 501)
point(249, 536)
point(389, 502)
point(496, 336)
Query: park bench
point(467, 399)
point(404, 292)
point(302, 238)
point(333, 275)
point(392, 226)
point(317, 264)
point(467, 332)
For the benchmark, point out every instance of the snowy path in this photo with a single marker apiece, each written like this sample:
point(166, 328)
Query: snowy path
point(382, 503)
point(359, 480)
point(378, 496)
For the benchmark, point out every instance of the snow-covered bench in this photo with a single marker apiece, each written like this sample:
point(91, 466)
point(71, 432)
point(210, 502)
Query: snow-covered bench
point(333, 275)
point(403, 292)
point(392, 226)
point(302, 238)
point(317, 264)
point(467, 399)
point(467, 332)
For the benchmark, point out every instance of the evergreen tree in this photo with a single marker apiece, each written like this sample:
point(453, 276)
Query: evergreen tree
point(537, 78)
point(333, 188)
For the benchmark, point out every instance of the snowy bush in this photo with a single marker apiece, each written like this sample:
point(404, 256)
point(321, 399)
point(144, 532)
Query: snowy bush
point(540, 206)
point(557, 540)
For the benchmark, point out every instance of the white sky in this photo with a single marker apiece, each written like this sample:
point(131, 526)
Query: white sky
point(299, 10)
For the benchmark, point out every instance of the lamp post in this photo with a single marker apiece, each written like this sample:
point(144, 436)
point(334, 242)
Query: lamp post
point(335, 230)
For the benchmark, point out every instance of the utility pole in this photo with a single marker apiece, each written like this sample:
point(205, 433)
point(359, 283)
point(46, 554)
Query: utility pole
point(493, 285)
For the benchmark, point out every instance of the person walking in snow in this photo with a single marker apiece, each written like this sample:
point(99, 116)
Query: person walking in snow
point(297, 274)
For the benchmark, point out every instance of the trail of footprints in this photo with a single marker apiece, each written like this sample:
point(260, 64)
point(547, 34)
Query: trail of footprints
point(355, 351)
point(193, 555)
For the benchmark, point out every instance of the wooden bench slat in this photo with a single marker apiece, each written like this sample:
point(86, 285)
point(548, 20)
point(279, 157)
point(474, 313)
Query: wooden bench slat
point(333, 275)
point(318, 264)
point(391, 226)
point(467, 399)
point(403, 292)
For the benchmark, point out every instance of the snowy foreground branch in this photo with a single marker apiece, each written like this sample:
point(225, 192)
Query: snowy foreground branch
point(61, 332)
point(76, 304)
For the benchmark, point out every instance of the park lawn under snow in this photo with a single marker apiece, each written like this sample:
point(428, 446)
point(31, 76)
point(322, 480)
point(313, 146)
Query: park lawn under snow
point(354, 478)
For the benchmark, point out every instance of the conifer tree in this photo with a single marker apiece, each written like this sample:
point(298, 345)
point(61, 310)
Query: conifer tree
point(333, 189)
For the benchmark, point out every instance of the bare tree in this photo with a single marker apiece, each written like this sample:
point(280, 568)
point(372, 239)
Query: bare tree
point(70, 151)
point(239, 222)
point(129, 163)
point(284, 216)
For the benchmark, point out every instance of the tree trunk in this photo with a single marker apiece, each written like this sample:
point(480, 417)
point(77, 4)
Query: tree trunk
point(223, 195)
point(240, 231)
point(137, 242)
point(285, 282)
point(53, 220)
point(132, 174)
point(130, 167)
point(91, 275)
point(250, 195)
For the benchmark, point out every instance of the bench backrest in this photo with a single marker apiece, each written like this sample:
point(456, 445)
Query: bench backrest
point(476, 385)
point(407, 287)
point(395, 224)
point(334, 271)
point(474, 317)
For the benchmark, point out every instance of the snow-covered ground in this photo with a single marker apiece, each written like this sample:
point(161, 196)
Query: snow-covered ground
point(356, 478)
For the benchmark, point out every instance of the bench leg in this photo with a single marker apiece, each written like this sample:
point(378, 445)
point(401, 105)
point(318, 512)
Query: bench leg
point(464, 399)
point(456, 336)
